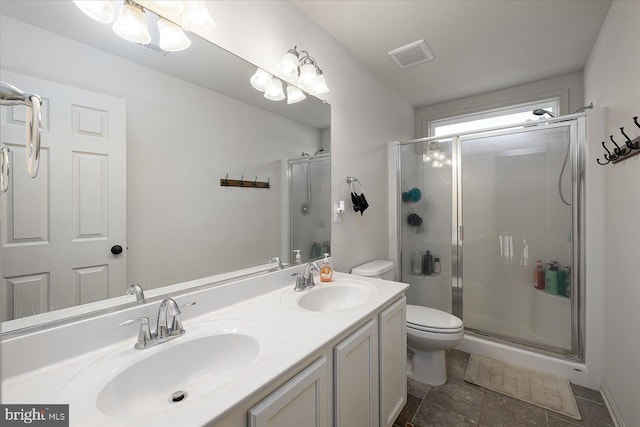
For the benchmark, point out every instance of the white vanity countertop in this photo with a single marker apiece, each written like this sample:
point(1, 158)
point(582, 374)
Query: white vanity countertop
point(287, 335)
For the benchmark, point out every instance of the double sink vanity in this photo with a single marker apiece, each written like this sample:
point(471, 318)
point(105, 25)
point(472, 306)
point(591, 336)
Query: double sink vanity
point(254, 352)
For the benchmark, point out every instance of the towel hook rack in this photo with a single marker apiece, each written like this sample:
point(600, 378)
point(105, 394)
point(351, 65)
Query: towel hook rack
point(630, 148)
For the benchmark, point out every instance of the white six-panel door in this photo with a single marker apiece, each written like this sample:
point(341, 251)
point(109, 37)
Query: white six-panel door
point(57, 230)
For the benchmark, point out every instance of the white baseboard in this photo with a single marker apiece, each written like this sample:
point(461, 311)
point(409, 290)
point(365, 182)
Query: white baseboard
point(611, 406)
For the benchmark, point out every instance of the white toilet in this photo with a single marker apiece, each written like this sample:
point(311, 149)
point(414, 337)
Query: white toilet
point(429, 331)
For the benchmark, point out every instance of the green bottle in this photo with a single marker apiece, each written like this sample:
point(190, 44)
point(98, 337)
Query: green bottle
point(551, 279)
point(562, 277)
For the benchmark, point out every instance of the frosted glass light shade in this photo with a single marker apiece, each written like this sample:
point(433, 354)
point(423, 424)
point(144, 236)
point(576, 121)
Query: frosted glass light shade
point(167, 7)
point(131, 25)
point(294, 95)
point(308, 76)
point(196, 17)
point(101, 11)
point(260, 80)
point(274, 90)
point(172, 38)
point(320, 86)
point(287, 68)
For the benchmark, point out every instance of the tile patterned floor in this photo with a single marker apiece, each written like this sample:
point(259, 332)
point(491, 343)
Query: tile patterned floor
point(458, 403)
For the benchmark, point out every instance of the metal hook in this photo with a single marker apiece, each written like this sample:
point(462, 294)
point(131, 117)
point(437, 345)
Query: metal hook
point(255, 182)
point(635, 119)
point(630, 143)
point(609, 156)
point(602, 164)
point(619, 151)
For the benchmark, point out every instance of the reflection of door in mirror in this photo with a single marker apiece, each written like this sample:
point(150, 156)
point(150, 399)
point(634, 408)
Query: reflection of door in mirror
point(309, 180)
point(58, 229)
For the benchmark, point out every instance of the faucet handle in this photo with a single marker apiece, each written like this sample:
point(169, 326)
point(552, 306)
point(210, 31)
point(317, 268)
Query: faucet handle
point(144, 336)
point(301, 284)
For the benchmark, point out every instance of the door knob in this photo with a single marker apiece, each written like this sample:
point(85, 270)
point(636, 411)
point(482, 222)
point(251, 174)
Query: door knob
point(116, 249)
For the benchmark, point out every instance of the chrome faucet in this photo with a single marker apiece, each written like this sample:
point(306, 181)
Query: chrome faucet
point(169, 325)
point(277, 259)
point(305, 281)
point(136, 289)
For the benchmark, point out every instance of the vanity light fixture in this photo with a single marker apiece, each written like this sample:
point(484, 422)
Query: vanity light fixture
point(131, 24)
point(172, 38)
point(299, 70)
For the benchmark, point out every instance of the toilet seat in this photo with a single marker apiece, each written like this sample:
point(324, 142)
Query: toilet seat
point(428, 319)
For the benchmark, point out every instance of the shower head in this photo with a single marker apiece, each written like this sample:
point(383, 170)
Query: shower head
point(320, 150)
point(586, 107)
point(541, 112)
point(303, 154)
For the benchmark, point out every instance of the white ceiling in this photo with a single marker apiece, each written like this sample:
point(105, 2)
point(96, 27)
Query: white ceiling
point(480, 46)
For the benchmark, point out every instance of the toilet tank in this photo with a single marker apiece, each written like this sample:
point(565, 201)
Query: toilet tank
point(380, 269)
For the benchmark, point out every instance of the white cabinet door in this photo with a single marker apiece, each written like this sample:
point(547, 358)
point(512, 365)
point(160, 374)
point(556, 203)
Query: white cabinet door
point(393, 359)
point(301, 402)
point(356, 378)
point(56, 230)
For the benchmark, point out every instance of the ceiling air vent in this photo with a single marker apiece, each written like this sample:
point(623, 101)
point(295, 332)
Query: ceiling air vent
point(412, 54)
point(155, 49)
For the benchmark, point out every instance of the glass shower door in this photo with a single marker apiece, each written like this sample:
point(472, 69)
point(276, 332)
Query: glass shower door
point(515, 201)
point(309, 186)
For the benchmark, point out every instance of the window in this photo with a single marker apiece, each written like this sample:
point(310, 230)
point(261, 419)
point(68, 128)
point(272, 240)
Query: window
point(490, 118)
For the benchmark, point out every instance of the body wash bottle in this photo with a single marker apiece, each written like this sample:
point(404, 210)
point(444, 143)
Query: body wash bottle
point(551, 279)
point(326, 271)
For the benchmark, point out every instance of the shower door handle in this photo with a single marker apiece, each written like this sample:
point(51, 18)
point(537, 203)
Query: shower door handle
point(461, 232)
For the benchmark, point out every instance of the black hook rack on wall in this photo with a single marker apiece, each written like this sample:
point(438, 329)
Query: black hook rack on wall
point(621, 151)
point(226, 182)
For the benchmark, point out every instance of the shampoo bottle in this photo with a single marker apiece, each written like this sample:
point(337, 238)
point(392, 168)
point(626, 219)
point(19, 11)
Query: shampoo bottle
point(326, 271)
point(437, 268)
point(562, 278)
point(417, 263)
point(296, 256)
point(427, 263)
point(551, 278)
point(538, 276)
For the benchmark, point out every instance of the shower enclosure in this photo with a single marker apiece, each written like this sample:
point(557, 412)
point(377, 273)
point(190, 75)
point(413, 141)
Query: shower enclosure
point(485, 207)
point(309, 205)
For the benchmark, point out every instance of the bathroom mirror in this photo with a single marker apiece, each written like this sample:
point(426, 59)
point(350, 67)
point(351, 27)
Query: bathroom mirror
point(136, 143)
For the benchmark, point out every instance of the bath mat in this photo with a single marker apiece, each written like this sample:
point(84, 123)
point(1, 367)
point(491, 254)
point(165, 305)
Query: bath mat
point(544, 390)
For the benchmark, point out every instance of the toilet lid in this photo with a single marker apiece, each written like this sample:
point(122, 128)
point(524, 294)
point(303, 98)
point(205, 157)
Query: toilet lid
point(430, 319)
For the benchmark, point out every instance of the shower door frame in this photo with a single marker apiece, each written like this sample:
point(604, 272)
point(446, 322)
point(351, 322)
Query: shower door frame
point(290, 208)
point(577, 141)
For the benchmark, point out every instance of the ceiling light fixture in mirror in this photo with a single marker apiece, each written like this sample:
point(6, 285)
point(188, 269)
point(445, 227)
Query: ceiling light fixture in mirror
point(301, 71)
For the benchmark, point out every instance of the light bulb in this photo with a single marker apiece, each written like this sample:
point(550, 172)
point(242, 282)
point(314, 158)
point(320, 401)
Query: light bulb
point(426, 157)
point(447, 162)
point(287, 68)
point(260, 80)
point(196, 18)
point(101, 11)
point(294, 95)
point(131, 24)
point(172, 38)
point(274, 90)
point(308, 76)
point(436, 164)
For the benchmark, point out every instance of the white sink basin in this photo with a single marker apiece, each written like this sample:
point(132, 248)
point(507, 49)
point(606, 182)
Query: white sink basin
point(129, 383)
point(338, 295)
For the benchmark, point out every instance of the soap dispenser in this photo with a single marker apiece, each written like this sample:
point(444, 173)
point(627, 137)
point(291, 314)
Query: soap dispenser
point(551, 278)
point(326, 271)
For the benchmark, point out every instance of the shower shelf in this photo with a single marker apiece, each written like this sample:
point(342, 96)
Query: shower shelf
point(621, 151)
point(226, 182)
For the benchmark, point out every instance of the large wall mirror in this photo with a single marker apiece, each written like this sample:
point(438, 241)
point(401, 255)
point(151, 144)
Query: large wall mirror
point(135, 143)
